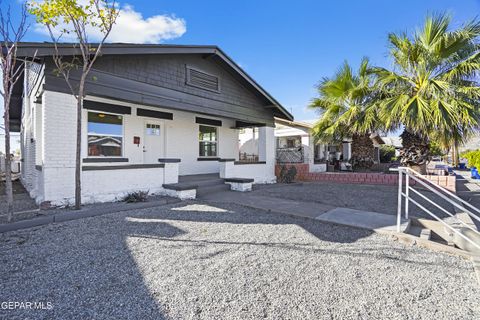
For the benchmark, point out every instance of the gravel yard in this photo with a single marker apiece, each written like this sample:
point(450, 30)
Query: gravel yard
point(192, 260)
point(365, 197)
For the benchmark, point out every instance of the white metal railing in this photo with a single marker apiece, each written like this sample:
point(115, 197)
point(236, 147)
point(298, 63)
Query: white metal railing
point(438, 190)
point(290, 155)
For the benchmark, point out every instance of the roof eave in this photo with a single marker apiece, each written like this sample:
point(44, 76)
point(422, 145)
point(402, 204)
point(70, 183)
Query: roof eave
point(30, 49)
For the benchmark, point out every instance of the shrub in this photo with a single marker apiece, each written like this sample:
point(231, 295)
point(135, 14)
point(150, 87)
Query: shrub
point(387, 153)
point(473, 158)
point(287, 175)
point(137, 196)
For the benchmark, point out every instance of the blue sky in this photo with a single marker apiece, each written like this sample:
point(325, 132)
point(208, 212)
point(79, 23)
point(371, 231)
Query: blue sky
point(288, 46)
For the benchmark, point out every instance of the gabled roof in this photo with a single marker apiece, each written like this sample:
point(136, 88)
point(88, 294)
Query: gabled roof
point(291, 123)
point(45, 49)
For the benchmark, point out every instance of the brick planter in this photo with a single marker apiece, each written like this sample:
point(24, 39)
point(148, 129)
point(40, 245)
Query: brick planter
point(303, 174)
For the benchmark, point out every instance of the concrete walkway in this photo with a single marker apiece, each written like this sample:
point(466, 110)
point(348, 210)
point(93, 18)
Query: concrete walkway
point(378, 222)
point(374, 221)
point(291, 207)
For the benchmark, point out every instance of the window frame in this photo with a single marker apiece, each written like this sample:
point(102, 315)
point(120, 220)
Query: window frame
point(123, 134)
point(160, 127)
point(216, 142)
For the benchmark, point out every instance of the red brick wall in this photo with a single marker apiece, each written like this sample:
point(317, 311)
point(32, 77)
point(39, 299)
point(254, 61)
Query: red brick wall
point(448, 182)
point(303, 174)
point(302, 170)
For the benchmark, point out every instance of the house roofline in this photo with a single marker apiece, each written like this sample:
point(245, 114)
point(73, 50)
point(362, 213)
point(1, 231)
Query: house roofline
point(294, 123)
point(45, 49)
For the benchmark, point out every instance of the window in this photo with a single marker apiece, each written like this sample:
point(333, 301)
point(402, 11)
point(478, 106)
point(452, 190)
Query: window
point(291, 143)
point(208, 141)
point(105, 135)
point(152, 129)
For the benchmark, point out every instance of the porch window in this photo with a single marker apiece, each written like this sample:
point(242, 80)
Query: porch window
point(208, 141)
point(105, 135)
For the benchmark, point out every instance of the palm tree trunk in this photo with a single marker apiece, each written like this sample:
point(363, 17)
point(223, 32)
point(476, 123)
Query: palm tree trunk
point(415, 151)
point(362, 151)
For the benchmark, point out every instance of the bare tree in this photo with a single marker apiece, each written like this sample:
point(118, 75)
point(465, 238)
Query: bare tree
point(70, 17)
point(11, 72)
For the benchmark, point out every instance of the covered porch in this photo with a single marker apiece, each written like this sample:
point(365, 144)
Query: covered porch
point(130, 147)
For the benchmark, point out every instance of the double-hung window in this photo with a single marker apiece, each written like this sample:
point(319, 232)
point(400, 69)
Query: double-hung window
point(208, 141)
point(105, 135)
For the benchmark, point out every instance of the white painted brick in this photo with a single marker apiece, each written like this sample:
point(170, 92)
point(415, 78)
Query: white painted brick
point(56, 181)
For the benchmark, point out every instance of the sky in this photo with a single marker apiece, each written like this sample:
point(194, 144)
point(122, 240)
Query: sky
point(286, 46)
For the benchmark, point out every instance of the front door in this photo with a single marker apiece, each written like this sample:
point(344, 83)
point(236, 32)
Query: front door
point(154, 141)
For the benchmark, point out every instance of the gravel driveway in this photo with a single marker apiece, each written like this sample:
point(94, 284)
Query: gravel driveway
point(192, 260)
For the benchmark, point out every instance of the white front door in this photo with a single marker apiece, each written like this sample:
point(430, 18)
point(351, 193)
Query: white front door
point(154, 141)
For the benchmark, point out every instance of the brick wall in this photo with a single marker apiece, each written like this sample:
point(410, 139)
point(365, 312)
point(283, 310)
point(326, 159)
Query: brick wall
point(448, 182)
point(59, 138)
point(303, 174)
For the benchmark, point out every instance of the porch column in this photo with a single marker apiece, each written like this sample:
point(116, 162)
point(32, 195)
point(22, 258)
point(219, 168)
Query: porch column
point(266, 151)
point(347, 150)
point(308, 149)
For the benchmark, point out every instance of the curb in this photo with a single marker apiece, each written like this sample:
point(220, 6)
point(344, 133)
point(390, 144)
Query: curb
point(75, 215)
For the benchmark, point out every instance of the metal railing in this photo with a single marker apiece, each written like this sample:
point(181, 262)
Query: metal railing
point(290, 155)
point(438, 190)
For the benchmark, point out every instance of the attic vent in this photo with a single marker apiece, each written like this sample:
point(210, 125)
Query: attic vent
point(202, 80)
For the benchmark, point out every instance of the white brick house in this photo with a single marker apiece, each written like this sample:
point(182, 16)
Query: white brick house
point(152, 113)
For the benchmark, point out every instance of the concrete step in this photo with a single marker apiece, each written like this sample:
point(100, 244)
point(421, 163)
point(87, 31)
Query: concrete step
point(208, 183)
point(198, 177)
point(464, 244)
point(414, 230)
point(438, 232)
point(211, 189)
point(426, 234)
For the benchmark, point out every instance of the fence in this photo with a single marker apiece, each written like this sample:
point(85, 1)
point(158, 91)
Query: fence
point(290, 155)
point(15, 165)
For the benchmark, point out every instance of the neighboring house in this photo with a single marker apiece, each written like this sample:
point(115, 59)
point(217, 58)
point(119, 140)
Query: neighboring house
point(152, 113)
point(296, 144)
point(395, 142)
point(14, 149)
point(471, 144)
point(14, 142)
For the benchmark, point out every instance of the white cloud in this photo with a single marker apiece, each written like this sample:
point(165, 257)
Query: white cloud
point(132, 27)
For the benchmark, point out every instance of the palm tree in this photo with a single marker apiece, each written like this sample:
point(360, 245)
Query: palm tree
point(346, 106)
point(432, 87)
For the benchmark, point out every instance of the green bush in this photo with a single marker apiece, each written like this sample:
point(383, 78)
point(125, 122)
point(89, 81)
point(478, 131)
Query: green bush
point(387, 153)
point(136, 196)
point(287, 175)
point(473, 158)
